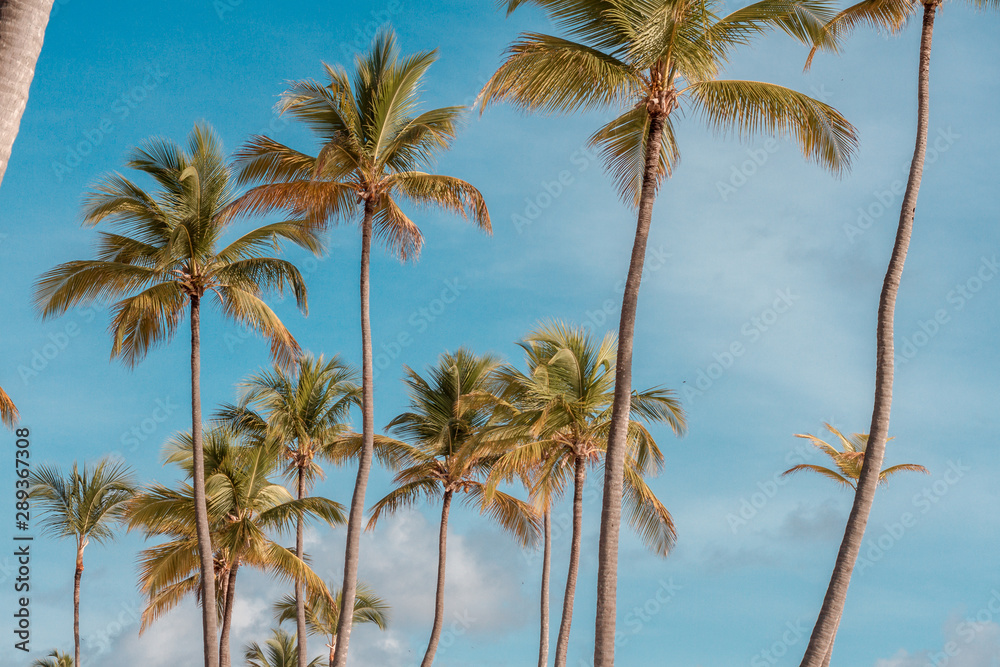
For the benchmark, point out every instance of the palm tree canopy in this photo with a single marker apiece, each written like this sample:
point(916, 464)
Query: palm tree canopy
point(848, 460)
point(651, 57)
point(281, 650)
point(164, 248)
point(377, 147)
point(8, 411)
point(54, 659)
point(323, 612)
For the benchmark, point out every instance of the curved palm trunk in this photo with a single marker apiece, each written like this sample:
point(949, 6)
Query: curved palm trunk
point(300, 602)
point(562, 643)
point(439, 594)
point(209, 614)
point(22, 31)
point(611, 509)
point(227, 617)
point(76, 603)
point(356, 516)
point(821, 641)
point(543, 643)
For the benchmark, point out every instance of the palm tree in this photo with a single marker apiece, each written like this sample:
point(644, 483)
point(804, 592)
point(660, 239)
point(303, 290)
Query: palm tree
point(848, 460)
point(648, 58)
point(54, 659)
point(375, 148)
point(8, 411)
point(892, 16)
point(446, 457)
point(83, 505)
point(561, 420)
point(305, 415)
point(323, 612)
point(22, 31)
point(244, 505)
point(164, 257)
point(279, 651)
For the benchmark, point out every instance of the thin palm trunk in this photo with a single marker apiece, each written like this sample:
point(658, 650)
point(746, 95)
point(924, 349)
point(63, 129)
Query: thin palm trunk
point(300, 601)
point(227, 616)
point(439, 594)
point(562, 643)
point(76, 604)
point(333, 648)
point(614, 467)
point(543, 643)
point(821, 642)
point(208, 606)
point(356, 516)
point(22, 31)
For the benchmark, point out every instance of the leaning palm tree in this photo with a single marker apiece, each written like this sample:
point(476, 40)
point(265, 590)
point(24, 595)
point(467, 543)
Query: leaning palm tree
point(244, 506)
point(163, 257)
point(305, 415)
point(891, 16)
point(848, 460)
point(83, 505)
point(376, 146)
point(445, 456)
point(647, 59)
point(8, 411)
point(323, 612)
point(54, 659)
point(559, 413)
point(280, 650)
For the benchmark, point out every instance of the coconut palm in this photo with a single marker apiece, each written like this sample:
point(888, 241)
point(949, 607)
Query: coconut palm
point(8, 411)
point(244, 506)
point(323, 612)
point(54, 659)
point(646, 59)
point(560, 414)
point(445, 457)
point(83, 505)
point(306, 416)
point(163, 256)
point(376, 146)
point(280, 650)
point(22, 31)
point(891, 16)
point(848, 460)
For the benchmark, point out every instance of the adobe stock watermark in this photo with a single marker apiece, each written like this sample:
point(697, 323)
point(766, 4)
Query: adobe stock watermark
point(56, 343)
point(551, 190)
point(459, 625)
point(99, 643)
point(967, 631)
point(610, 309)
point(793, 633)
point(146, 428)
point(750, 506)
point(892, 194)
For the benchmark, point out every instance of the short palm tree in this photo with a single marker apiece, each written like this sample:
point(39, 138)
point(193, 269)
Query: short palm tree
point(647, 59)
point(376, 147)
point(244, 506)
point(890, 16)
point(305, 415)
point(54, 659)
point(83, 505)
point(8, 411)
point(848, 460)
point(162, 257)
point(281, 650)
point(323, 613)
point(559, 414)
point(445, 457)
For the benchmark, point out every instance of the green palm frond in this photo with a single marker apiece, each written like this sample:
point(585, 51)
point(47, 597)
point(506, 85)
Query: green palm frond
point(8, 411)
point(281, 650)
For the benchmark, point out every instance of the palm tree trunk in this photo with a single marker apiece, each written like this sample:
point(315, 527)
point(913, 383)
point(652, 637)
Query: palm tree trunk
point(439, 594)
point(76, 603)
point(300, 602)
point(22, 31)
point(821, 641)
point(227, 617)
point(562, 643)
point(356, 515)
point(611, 509)
point(333, 647)
point(209, 614)
point(543, 643)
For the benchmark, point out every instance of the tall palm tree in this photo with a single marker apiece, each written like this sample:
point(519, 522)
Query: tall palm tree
point(305, 415)
point(163, 257)
point(446, 457)
point(562, 418)
point(22, 31)
point(647, 59)
point(244, 506)
point(54, 659)
point(279, 651)
point(891, 16)
point(8, 411)
point(82, 505)
point(323, 613)
point(376, 146)
point(848, 460)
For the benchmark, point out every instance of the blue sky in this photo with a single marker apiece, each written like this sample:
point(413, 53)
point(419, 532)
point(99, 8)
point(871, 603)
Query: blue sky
point(744, 230)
